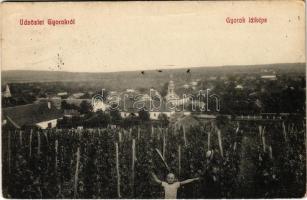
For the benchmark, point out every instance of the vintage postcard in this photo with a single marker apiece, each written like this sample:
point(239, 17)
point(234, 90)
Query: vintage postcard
point(153, 100)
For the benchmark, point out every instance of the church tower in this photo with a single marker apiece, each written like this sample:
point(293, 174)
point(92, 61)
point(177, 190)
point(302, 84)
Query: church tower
point(7, 92)
point(171, 95)
point(171, 87)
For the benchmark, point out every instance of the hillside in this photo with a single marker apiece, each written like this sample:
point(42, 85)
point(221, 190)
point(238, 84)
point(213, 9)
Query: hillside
point(134, 79)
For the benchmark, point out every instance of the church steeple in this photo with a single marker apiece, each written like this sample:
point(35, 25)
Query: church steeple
point(7, 92)
point(171, 86)
point(171, 95)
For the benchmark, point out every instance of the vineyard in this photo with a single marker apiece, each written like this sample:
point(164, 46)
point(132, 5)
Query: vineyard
point(233, 160)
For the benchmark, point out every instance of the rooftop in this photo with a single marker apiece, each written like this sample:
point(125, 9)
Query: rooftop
point(30, 114)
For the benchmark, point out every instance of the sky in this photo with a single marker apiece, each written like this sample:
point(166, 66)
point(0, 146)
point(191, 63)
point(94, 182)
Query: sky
point(124, 36)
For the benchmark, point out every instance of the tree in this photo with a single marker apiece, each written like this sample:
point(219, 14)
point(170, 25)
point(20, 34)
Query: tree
point(163, 119)
point(144, 115)
point(115, 115)
point(130, 121)
point(222, 121)
point(99, 119)
point(164, 90)
point(85, 107)
point(64, 105)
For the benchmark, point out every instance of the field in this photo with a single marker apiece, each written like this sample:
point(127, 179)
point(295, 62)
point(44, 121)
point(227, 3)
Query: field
point(250, 159)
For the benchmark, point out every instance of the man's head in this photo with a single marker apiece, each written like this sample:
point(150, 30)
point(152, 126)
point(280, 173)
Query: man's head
point(170, 178)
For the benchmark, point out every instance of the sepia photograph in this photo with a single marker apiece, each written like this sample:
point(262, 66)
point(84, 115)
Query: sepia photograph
point(153, 100)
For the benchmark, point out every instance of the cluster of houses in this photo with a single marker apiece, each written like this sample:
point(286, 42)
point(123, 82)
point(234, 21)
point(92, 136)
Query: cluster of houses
point(131, 101)
point(44, 113)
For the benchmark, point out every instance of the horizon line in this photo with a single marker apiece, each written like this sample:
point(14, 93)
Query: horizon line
point(140, 70)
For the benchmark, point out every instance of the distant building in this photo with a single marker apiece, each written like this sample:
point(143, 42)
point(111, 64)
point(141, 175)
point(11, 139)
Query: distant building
point(98, 105)
point(56, 102)
point(145, 97)
point(7, 92)
point(154, 93)
point(212, 78)
point(71, 113)
point(130, 90)
point(193, 83)
point(40, 114)
point(60, 94)
point(77, 95)
point(155, 109)
point(239, 87)
point(269, 77)
point(186, 86)
point(125, 114)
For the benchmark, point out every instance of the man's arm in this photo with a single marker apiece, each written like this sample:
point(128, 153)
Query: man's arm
point(188, 181)
point(156, 179)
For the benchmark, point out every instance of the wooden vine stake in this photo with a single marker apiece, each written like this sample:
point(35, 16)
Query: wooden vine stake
point(76, 173)
point(117, 170)
point(46, 136)
point(20, 138)
point(30, 143)
point(271, 152)
point(184, 137)
point(56, 154)
point(133, 165)
point(263, 140)
point(284, 131)
point(152, 131)
point(164, 145)
point(235, 146)
point(260, 131)
point(179, 160)
point(139, 132)
point(9, 151)
point(130, 133)
point(209, 140)
point(119, 136)
point(219, 135)
point(237, 131)
point(38, 143)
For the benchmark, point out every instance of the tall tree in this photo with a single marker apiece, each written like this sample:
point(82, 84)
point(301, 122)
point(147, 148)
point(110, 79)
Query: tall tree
point(85, 107)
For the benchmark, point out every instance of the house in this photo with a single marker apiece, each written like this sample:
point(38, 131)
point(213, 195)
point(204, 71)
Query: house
point(269, 77)
point(194, 83)
point(212, 78)
point(71, 113)
point(130, 90)
point(131, 107)
point(61, 94)
point(56, 101)
point(39, 114)
point(77, 95)
point(98, 104)
point(145, 97)
point(186, 86)
point(239, 87)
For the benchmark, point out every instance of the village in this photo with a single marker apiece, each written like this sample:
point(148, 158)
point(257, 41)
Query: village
point(201, 99)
